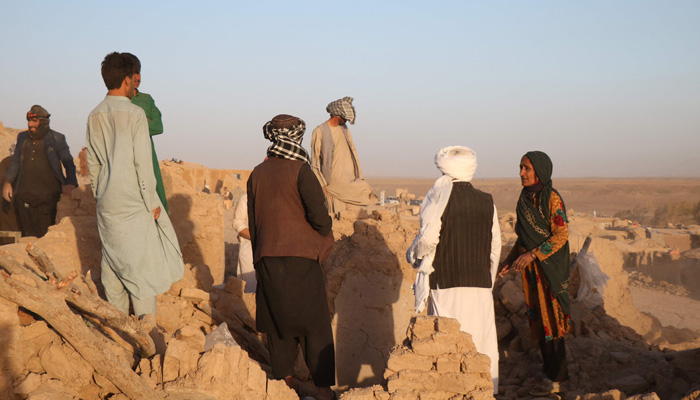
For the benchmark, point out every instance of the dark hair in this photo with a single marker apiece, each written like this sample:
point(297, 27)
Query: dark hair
point(115, 68)
point(137, 63)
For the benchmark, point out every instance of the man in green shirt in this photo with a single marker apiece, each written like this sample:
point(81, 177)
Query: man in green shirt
point(155, 126)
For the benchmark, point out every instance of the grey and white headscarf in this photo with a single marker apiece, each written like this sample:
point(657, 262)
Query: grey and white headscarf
point(286, 132)
point(342, 108)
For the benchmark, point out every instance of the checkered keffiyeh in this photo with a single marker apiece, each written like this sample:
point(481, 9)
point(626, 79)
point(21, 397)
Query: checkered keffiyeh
point(286, 141)
point(342, 108)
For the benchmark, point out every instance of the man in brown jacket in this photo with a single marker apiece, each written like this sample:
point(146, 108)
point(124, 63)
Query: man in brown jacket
point(290, 230)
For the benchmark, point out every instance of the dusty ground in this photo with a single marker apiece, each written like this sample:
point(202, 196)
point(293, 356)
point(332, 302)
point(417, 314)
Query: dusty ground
point(606, 196)
point(671, 310)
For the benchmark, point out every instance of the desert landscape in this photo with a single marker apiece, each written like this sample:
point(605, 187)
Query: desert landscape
point(635, 309)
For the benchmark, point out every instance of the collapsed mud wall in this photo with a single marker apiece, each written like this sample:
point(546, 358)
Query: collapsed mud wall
point(198, 219)
point(370, 296)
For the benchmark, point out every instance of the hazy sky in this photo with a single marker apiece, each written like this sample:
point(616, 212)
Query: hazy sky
point(607, 88)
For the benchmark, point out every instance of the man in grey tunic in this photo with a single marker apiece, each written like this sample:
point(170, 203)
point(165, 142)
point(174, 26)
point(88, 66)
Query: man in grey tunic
point(334, 160)
point(141, 257)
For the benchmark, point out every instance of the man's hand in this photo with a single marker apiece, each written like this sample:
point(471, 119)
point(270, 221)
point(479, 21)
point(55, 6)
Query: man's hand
point(7, 191)
point(67, 189)
point(156, 213)
point(244, 233)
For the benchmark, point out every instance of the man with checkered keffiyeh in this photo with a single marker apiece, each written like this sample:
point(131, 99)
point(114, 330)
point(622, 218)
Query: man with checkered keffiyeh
point(335, 162)
point(290, 233)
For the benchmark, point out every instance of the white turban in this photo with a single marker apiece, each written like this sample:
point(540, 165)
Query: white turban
point(457, 162)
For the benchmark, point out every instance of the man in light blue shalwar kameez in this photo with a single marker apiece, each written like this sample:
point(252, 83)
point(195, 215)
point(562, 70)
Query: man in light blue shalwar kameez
point(141, 257)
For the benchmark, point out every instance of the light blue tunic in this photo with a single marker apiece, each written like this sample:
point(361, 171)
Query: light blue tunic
point(143, 252)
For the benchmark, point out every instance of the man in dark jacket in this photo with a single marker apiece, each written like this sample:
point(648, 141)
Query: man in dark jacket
point(35, 180)
point(290, 231)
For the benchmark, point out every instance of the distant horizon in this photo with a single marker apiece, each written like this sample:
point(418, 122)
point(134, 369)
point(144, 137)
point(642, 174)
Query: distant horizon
point(609, 89)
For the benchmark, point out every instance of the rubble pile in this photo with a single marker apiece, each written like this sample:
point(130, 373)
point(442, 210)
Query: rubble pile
point(436, 361)
point(58, 335)
point(369, 290)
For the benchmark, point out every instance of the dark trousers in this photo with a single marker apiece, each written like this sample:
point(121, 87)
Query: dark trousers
point(34, 220)
point(318, 353)
point(554, 357)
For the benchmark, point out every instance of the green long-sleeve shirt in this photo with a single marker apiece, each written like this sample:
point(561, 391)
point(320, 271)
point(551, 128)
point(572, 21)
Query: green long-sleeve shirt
point(155, 120)
point(155, 127)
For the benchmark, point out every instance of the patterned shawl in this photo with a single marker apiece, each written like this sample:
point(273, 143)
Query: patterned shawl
point(534, 228)
point(286, 133)
point(342, 108)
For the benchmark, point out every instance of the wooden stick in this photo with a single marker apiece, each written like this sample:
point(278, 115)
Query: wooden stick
point(51, 306)
point(89, 302)
point(252, 341)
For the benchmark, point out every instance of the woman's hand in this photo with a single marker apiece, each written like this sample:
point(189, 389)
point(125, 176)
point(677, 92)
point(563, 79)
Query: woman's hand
point(523, 261)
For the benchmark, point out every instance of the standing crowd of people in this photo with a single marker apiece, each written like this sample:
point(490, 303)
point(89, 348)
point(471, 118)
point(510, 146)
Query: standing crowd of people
point(284, 223)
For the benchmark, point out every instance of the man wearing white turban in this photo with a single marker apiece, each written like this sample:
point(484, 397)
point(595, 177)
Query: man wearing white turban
point(334, 160)
point(457, 251)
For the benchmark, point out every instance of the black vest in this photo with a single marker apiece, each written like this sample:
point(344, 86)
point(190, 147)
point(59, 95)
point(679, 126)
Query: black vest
point(462, 257)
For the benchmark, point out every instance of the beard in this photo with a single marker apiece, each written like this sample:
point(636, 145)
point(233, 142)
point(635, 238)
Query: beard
point(40, 130)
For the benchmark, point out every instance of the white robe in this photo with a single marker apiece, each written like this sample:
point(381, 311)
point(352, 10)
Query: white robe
point(143, 252)
point(471, 306)
point(245, 270)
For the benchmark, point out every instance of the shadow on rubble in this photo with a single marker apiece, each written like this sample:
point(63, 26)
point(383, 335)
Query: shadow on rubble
point(364, 282)
point(7, 373)
point(186, 228)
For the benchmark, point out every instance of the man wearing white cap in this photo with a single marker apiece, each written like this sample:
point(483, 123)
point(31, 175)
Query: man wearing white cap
point(457, 251)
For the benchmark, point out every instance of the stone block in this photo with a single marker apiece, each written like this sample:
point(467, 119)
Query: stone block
point(512, 297)
point(447, 364)
point(187, 281)
point(613, 394)
point(180, 359)
point(477, 363)
point(431, 347)
point(631, 384)
point(170, 310)
point(257, 380)
point(65, 364)
point(193, 336)
point(53, 389)
point(422, 327)
point(413, 380)
point(445, 325)
point(277, 389)
point(621, 357)
point(11, 333)
point(462, 383)
point(405, 359)
point(644, 396)
point(503, 327)
point(29, 384)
